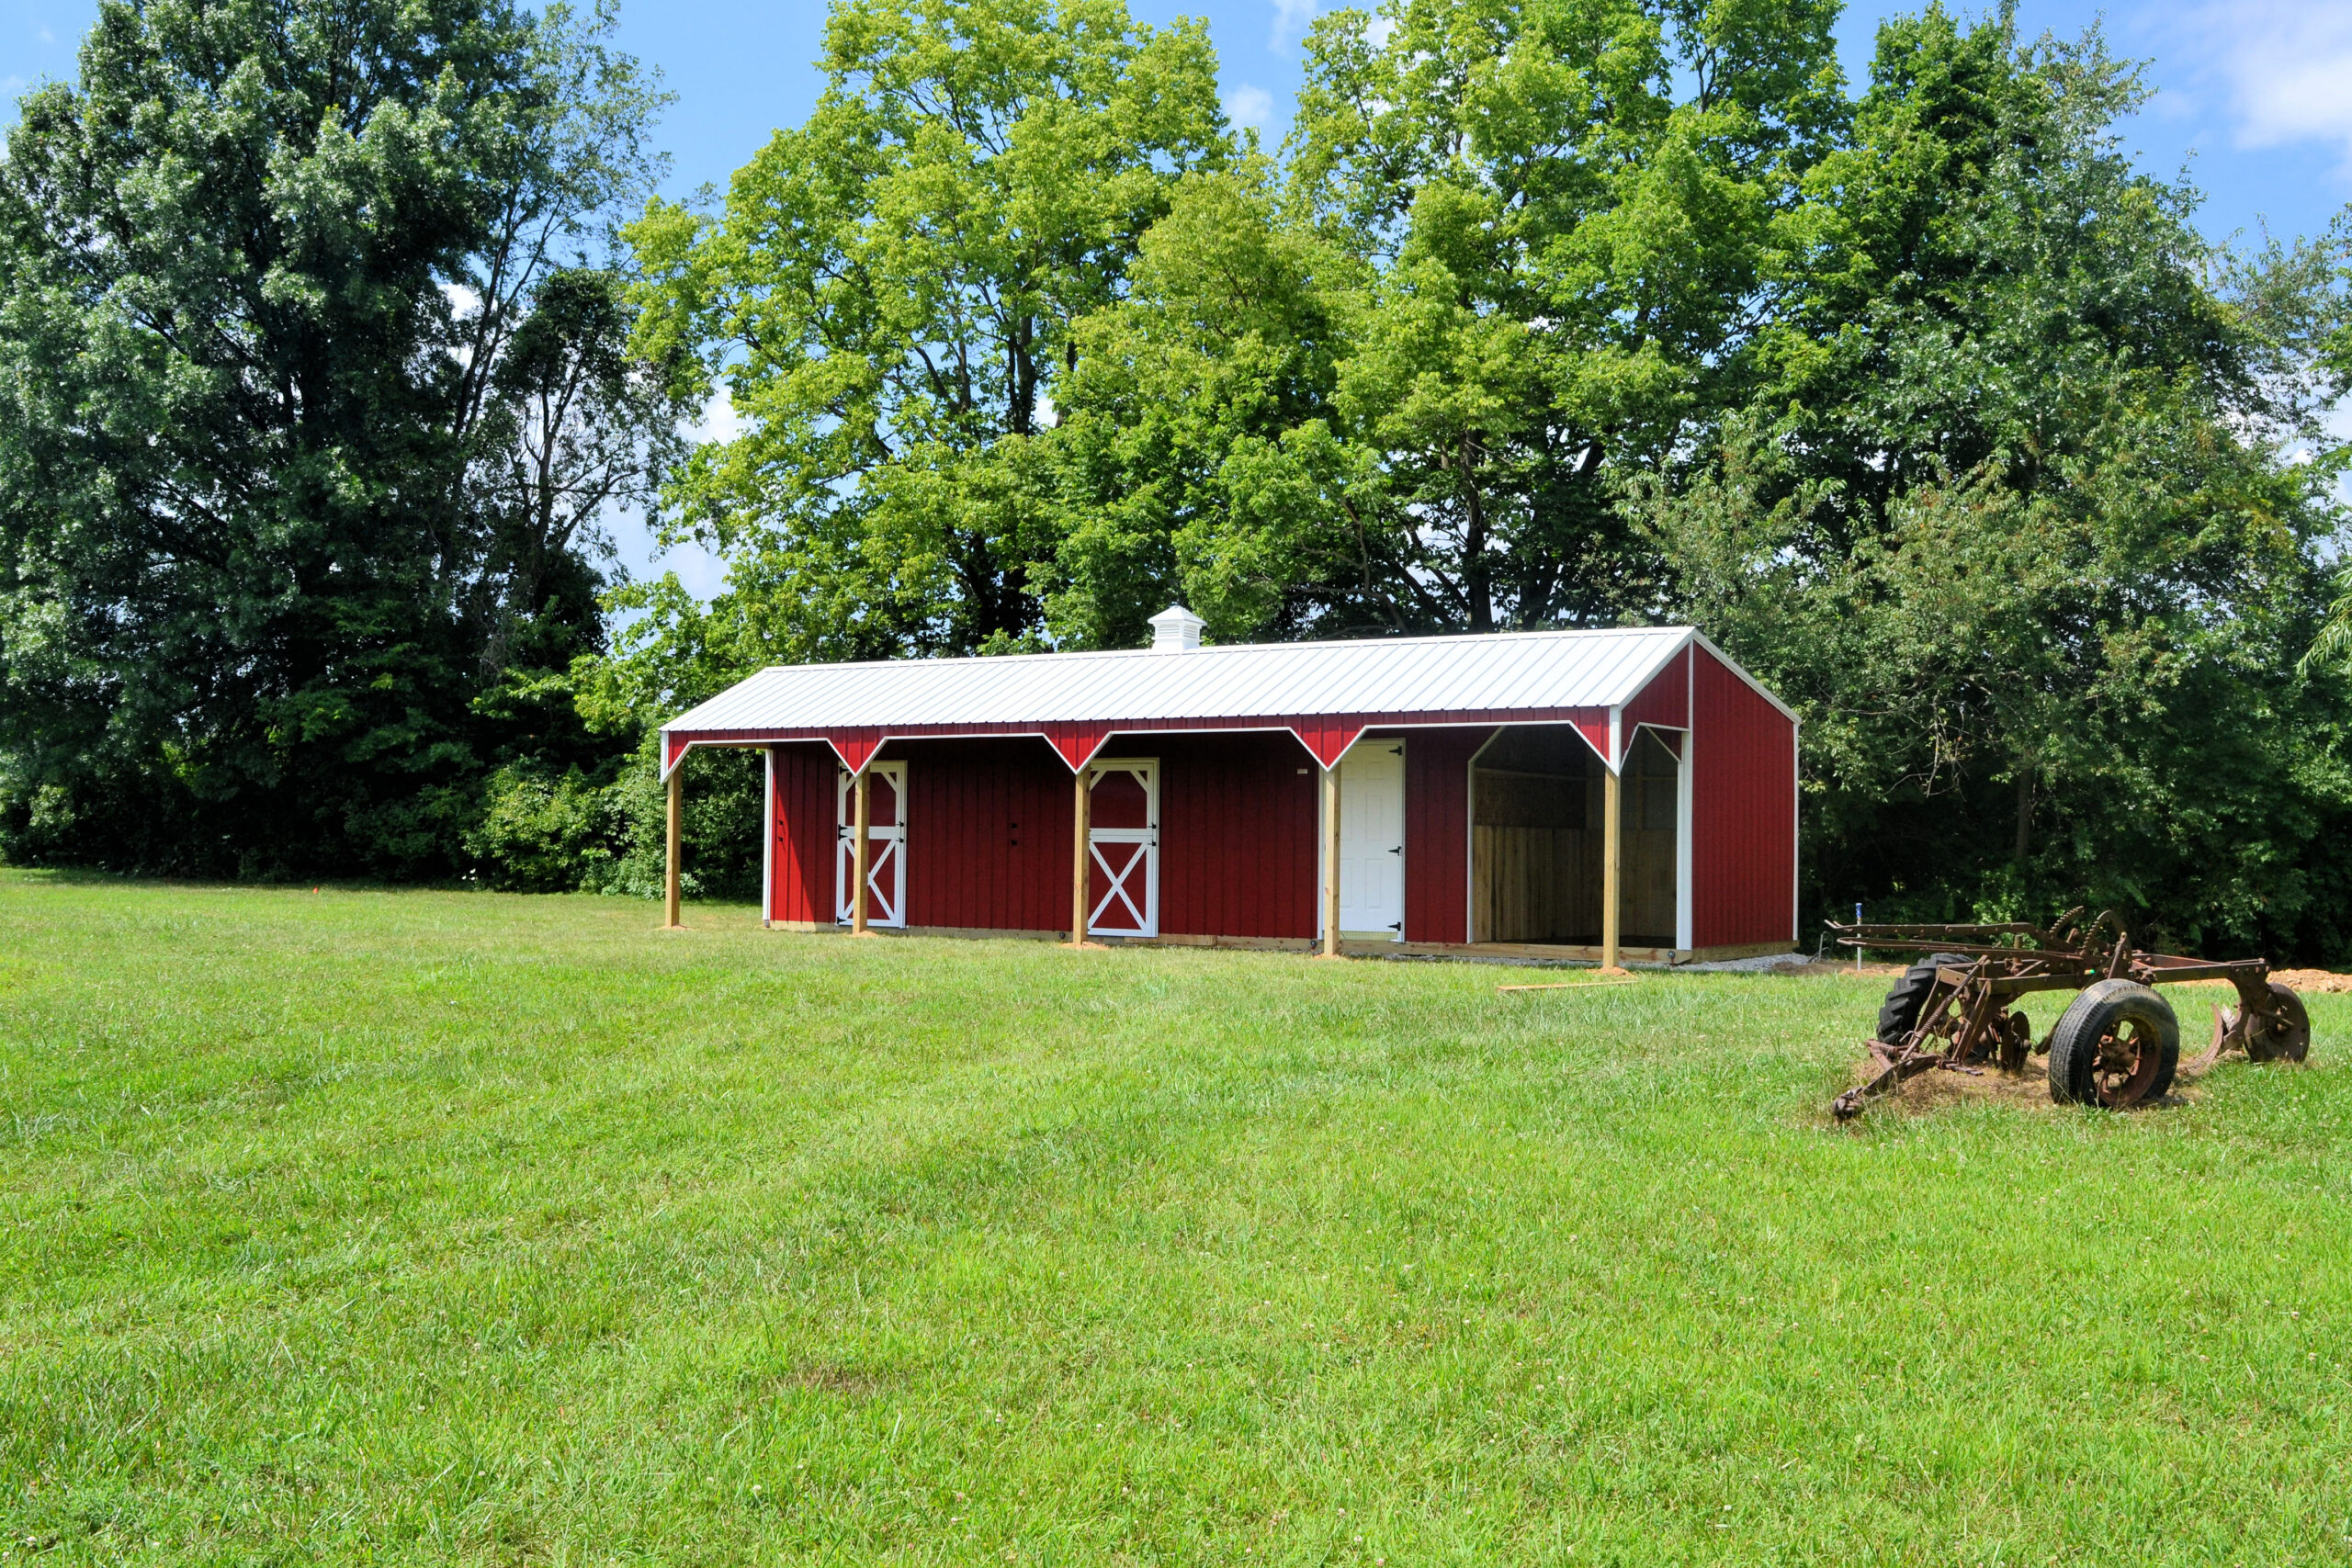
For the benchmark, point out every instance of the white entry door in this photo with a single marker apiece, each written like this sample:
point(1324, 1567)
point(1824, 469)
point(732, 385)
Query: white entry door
point(1372, 840)
point(886, 845)
point(1123, 843)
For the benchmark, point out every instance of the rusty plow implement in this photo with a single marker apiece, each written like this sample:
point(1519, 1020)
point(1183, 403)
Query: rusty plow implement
point(2117, 1044)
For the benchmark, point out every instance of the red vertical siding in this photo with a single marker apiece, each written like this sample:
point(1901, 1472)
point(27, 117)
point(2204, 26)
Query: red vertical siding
point(1743, 813)
point(802, 832)
point(988, 823)
point(1329, 737)
point(1237, 833)
point(988, 834)
point(1665, 702)
point(1437, 832)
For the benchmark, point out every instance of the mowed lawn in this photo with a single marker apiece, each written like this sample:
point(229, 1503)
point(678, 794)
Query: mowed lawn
point(417, 1227)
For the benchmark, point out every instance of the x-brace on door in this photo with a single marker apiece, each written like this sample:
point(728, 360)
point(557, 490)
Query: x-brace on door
point(886, 845)
point(1122, 843)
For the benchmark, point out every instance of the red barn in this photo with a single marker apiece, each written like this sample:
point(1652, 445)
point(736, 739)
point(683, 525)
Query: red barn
point(1577, 793)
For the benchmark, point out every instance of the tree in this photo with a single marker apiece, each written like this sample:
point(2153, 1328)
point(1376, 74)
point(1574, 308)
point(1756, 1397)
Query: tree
point(1524, 243)
point(261, 268)
point(887, 298)
point(1194, 459)
point(2012, 518)
point(572, 427)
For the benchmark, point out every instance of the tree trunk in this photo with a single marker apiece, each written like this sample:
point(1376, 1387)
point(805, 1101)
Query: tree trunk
point(2025, 814)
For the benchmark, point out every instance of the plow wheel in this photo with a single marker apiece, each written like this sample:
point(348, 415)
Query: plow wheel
point(1906, 1000)
point(2015, 1041)
point(2284, 1037)
point(2117, 1044)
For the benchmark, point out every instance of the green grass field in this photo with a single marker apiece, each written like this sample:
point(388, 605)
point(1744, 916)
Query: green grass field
point(413, 1227)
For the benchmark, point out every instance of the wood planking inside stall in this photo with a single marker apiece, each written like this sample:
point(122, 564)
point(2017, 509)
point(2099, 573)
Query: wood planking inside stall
point(1536, 840)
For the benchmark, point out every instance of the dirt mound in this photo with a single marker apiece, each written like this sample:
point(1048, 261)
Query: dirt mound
point(2312, 982)
point(2309, 982)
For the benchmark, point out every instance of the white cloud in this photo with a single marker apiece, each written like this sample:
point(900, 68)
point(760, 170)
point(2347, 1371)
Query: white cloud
point(719, 422)
point(1249, 106)
point(2288, 65)
point(702, 574)
point(1291, 18)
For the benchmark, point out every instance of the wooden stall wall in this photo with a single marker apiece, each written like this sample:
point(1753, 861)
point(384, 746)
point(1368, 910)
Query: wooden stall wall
point(1743, 817)
point(1237, 833)
point(988, 834)
point(1536, 839)
point(1437, 830)
point(801, 834)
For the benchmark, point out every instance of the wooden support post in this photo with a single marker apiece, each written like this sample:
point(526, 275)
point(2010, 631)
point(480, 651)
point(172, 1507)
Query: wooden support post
point(670, 920)
point(1081, 857)
point(1612, 857)
point(1331, 861)
point(861, 845)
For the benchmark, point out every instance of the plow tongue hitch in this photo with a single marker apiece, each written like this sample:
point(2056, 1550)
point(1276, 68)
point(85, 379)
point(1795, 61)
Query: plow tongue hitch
point(2117, 1044)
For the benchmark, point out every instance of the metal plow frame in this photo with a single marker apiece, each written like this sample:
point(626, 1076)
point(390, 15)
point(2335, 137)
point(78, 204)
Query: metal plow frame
point(1968, 1016)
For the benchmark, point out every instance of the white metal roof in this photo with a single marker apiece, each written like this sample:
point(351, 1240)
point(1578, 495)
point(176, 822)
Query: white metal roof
point(1480, 674)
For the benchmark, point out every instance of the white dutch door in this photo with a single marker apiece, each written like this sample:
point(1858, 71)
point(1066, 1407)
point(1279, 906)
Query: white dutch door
point(1372, 840)
point(886, 841)
point(1123, 842)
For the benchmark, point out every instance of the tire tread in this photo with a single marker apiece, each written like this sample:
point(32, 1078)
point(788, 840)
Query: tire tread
point(2074, 1044)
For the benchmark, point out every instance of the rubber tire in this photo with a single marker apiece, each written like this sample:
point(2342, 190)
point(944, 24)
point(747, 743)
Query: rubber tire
point(2103, 1007)
point(1899, 1014)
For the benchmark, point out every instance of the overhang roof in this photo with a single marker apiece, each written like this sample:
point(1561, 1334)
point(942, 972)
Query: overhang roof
point(1367, 683)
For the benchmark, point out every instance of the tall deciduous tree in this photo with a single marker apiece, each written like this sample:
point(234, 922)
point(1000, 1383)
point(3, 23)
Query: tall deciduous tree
point(886, 298)
point(1535, 242)
point(261, 270)
point(2013, 515)
point(573, 427)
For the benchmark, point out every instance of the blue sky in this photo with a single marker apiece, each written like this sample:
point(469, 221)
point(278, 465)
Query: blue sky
point(2254, 96)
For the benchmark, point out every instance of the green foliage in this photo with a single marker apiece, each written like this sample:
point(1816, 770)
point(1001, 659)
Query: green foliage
point(282, 515)
point(886, 300)
point(1195, 443)
point(454, 1228)
point(541, 834)
point(1377, 390)
point(1922, 402)
point(567, 833)
point(2015, 522)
